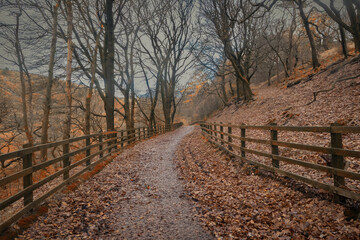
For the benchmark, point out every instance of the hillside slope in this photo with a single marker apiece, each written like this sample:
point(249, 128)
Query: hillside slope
point(290, 106)
point(294, 106)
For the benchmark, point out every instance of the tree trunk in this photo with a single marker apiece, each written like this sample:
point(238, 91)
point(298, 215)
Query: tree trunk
point(238, 88)
point(166, 101)
point(223, 89)
point(22, 81)
point(167, 112)
point(343, 42)
point(232, 92)
point(355, 23)
point(354, 27)
point(269, 75)
point(173, 114)
point(341, 29)
point(49, 84)
point(314, 56)
point(152, 119)
point(132, 97)
point(68, 110)
point(241, 82)
point(90, 90)
point(109, 66)
point(290, 66)
point(248, 95)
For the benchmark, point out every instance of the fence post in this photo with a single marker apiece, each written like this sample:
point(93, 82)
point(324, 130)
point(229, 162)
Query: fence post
point(87, 143)
point(109, 136)
point(230, 138)
point(337, 161)
point(243, 142)
point(101, 145)
point(66, 161)
point(274, 148)
point(222, 135)
point(27, 180)
point(115, 141)
point(122, 139)
point(128, 136)
point(215, 133)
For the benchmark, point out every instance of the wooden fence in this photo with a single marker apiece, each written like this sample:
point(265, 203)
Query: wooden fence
point(102, 146)
point(225, 139)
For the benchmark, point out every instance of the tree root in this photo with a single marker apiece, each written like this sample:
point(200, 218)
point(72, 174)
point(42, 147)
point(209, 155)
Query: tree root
point(316, 93)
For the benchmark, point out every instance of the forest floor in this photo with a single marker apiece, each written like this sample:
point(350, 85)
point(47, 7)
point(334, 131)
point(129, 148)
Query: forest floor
point(137, 196)
point(291, 102)
point(240, 202)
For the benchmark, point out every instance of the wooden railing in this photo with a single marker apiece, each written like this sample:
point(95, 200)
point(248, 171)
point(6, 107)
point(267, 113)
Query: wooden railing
point(235, 145)
point(102, 145)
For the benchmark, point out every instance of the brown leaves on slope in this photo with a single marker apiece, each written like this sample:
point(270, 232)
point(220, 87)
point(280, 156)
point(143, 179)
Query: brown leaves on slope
point(235, 202)
point(86, 213)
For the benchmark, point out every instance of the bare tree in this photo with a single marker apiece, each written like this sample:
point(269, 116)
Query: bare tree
point(154, 54)
point(50, 81)
point(13, 42)
point(22, 80)
point(229, 20)
point(211, 60)
point(341, 30)
point(168, 56)
point(352, 9)
point(126, 58)
point(67, 121)
point(108, 56)
point(178, 31)
point(305, 19)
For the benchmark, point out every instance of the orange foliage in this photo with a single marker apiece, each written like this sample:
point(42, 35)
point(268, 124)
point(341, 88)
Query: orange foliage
point(72, 187)
point(26, 221)
point(342, 122)
point(78, 157)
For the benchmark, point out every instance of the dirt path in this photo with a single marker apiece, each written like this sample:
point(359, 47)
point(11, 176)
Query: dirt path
point(157, 208)
point(138, 196)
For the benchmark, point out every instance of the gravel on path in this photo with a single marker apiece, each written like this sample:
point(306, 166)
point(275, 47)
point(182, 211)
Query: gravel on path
point(157, 207)
point(137, 196)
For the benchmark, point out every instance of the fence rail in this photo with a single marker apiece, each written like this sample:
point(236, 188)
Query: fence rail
point(216, 134)
point(104, 144)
